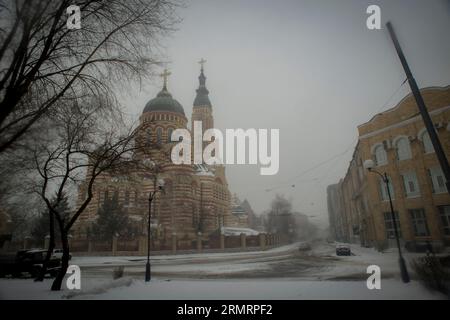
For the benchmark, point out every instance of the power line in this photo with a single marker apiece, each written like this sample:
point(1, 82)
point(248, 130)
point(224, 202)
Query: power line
point(290, 181)
point(390, 98)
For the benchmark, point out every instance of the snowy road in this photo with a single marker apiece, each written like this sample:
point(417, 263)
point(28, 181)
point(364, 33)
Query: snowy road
point(281, 273)
point(321, 263)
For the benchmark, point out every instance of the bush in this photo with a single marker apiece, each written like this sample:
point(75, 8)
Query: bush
point(433, 274)
point(118, 272)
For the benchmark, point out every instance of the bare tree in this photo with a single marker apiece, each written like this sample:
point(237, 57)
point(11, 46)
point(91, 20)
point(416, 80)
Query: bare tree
point(43, 62)
point(281, 219)
point(83, 146)
point(16, 199)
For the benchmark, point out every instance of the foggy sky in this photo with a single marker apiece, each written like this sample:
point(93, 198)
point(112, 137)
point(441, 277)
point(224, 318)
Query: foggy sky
point(310, 68)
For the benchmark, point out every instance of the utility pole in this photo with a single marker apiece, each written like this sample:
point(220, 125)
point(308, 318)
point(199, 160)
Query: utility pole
point(423, 110)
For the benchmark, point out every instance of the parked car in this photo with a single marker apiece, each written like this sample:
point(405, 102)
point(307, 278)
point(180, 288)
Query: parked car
point(28, 261)
point(58, 253)
point(304, 246)
point(343, 250)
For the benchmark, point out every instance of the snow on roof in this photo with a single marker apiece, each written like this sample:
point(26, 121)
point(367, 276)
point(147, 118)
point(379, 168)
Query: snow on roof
point(202, 170)
point(231, 231)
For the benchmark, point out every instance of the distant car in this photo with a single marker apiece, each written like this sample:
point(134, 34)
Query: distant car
point(58, 253)
point(343, 250)
point(304, 246)
point(28, 261)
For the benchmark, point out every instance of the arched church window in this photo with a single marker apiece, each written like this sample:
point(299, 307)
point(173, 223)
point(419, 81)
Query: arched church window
point(148, 137)
point(169, 134)
point(136, 197)
point(127, 198)
point(159, 135)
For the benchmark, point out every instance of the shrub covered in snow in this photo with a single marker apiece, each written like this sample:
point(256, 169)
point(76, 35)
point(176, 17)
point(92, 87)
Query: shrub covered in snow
point(118, 272)
point(433, 274)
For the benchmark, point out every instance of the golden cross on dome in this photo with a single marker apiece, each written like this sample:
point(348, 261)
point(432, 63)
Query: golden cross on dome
point(202, 62)
point(165, 75)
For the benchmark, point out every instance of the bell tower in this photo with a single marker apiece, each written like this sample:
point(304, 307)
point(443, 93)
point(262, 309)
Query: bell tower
point(202, 110)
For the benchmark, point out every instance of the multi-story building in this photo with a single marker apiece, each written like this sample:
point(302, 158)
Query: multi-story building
point(336, 214)
point(397, 141)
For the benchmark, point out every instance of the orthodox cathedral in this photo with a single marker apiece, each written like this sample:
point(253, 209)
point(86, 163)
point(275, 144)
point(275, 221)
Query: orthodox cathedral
point(196, 200)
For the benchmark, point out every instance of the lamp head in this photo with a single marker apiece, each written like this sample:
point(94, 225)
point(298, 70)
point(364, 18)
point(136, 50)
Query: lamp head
point(369, 164)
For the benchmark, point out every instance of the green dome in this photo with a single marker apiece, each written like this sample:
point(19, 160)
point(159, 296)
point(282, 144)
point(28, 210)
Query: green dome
point(164, 102)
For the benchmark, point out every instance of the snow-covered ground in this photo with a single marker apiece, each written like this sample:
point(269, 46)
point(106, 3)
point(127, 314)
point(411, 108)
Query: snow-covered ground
point(281, 273)
point(264, 289)
point(356, 265)
point(92, 261)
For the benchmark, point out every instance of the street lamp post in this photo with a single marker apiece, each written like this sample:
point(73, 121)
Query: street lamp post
point(158, 186)
point(369, 165)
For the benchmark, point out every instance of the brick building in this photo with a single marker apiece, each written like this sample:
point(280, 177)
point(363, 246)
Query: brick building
point(196, 198)
point(398, 143)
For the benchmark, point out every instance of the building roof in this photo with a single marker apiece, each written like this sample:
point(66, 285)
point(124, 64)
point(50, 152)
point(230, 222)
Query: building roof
point(236, 206)
point(229, 231)
point(202, 98)
point(164, 102)
point(409, 97)
point(203, 170)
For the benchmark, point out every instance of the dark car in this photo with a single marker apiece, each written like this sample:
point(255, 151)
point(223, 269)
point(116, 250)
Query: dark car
point(28, 261)
point(343, 250)
point(304, 246)
point(58, 253)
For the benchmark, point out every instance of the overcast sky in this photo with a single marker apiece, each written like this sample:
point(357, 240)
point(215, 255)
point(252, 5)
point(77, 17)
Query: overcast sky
point(310, 68)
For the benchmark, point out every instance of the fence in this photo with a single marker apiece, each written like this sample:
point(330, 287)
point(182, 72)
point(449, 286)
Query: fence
point(131, 247)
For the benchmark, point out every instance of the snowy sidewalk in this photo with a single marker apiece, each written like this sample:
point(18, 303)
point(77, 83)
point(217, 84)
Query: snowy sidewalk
point(127, 288)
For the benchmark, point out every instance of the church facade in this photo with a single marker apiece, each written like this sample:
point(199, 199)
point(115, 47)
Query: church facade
point(196, 198)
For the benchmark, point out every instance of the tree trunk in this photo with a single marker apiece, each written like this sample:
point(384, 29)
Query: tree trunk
point(51, 247)
point(56, 286)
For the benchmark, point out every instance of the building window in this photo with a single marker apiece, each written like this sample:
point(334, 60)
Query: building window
point(411, 185)
point(403, 149)
point(437, 179)
point(148, 137)
point(384, 191)
point(169, 135)
point(390, 231)
point(427, 145)
point(419, 222)
point(136, 198)
point(159, 135)
point(127, 198)
point(380, 155)
point(445, 218)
